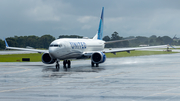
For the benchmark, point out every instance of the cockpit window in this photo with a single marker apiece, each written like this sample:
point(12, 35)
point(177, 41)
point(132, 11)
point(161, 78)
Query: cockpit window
point(51, 45)
point(55, 45)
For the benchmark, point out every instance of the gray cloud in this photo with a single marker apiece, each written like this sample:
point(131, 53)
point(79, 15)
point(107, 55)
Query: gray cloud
point(81, 17)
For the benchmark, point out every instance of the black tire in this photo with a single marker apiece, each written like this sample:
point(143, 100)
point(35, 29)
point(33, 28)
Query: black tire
point(69, 63)
point(64, 63)
point(57, 66)
point(92, 64)
point(97, 65)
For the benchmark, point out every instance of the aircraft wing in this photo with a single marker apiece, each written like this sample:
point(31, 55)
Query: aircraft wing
point(89, 53)
point(132, 49)
point(25, 49)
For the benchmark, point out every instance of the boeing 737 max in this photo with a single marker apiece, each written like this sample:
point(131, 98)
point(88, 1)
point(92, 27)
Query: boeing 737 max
point(71, 48)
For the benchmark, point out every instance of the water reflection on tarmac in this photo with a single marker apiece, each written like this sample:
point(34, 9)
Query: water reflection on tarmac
point(152, 78)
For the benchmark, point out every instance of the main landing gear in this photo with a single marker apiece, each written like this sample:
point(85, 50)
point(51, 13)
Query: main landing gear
point(92, 64)
point(66, 64)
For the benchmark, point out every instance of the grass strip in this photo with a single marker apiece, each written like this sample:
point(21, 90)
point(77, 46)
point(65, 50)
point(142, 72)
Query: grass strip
point(137, 53)
point(36, 57)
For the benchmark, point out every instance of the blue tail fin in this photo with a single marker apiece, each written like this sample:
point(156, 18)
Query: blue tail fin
point(100, 30)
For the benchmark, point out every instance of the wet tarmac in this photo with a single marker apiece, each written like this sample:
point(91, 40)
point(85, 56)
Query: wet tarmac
point(15, 52)
point(142, 78)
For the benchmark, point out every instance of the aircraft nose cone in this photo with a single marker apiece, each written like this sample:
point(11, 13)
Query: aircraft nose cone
point(52, 51)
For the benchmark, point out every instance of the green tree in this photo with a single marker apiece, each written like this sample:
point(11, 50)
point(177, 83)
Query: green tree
point(12, 42)
point(115, 36)
point(166, 39)
point(106, 38)
point(45, 40)
point(2, 45)
point(159, 41)
point(69, 36)
point(32, 41)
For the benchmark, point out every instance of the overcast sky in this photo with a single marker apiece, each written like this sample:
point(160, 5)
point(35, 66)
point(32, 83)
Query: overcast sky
point(81, 17)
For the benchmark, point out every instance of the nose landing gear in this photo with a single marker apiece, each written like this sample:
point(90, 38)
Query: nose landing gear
point(57, 65)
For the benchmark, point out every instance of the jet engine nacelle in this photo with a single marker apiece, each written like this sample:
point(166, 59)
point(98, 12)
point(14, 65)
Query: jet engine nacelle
point(98, 57)
point(47, 59)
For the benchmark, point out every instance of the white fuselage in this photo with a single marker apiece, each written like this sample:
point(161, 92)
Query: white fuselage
point(69, 48)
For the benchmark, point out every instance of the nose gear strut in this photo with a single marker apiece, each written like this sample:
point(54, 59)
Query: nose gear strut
point(57, 65)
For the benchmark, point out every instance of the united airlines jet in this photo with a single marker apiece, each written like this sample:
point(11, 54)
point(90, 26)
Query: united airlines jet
point(66, 49)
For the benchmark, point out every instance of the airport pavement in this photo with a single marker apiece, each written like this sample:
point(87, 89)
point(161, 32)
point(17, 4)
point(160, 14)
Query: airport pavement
point(142, 78)
point(15, 52)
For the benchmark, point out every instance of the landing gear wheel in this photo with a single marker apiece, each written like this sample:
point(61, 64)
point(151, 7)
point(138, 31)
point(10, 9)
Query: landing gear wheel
point(69, 63)
point(57, 65)
point(92, 64)
point(97, 65)
point(64, 64)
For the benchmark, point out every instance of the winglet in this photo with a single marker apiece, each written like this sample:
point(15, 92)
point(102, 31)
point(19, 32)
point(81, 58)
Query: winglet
point(6, 43)
point(100, 29)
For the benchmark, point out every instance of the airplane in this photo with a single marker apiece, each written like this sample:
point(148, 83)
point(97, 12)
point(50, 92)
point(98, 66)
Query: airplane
point(66, 49)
